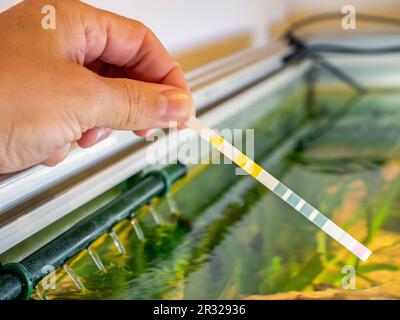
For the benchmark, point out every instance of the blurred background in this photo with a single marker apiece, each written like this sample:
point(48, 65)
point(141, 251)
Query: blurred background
point(190, 28)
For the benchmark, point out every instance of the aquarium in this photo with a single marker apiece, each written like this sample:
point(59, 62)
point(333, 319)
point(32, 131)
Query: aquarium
point(219, 235)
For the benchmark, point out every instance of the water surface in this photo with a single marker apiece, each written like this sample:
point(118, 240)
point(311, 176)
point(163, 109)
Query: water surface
point(244, 242)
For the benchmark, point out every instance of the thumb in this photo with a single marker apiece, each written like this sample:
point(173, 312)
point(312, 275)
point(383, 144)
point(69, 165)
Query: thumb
point(134, 105)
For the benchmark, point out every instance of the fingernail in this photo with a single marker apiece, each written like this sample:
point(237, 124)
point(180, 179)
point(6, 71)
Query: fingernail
point(179, 105)
point(100, 133)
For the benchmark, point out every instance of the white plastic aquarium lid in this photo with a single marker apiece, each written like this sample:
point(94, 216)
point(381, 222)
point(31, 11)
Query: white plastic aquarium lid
point(31, 190)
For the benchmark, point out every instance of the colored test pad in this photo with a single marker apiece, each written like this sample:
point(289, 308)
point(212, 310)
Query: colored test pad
point(280, 189)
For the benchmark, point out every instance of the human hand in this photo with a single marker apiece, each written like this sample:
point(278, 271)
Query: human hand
point(95, 72)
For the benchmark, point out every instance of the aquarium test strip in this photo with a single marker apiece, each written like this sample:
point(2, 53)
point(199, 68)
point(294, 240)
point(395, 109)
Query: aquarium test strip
point(279, 189)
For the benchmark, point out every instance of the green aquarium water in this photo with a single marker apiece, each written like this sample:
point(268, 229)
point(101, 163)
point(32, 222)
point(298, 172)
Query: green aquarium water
point(232, 238)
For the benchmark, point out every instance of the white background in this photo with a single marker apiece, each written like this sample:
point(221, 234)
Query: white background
point(183, 23)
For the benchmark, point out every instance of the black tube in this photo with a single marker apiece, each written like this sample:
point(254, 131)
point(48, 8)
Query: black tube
point(301, 50)
point(80, 236)
point(11, 286)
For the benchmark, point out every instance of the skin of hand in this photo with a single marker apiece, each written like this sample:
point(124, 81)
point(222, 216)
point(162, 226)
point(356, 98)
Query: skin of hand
point(94, 72)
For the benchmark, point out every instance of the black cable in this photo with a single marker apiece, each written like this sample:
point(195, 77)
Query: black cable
point(334, 15)
point(304, 49)
point(339, 73)
point(326, 48)
point(297, 42)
